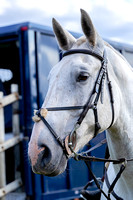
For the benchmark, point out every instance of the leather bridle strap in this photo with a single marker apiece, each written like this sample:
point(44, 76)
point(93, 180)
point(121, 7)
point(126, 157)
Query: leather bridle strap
point(111, 100)
point(83, 51)
point(65, 108)
point(59, 140)
point(111, 186)
point(97, 90)
point(93, 100)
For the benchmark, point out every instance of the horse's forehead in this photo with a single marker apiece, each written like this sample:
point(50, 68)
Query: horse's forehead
point(81, 42)
point(66, 67)
point(59, 74)
point(73, 62)
point(63, 66)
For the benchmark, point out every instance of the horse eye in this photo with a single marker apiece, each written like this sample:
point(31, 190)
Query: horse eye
point(83, 76)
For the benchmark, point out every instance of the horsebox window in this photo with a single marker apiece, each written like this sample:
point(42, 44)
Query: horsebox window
point(48, 56)
point(9, 72)
point(9, 65)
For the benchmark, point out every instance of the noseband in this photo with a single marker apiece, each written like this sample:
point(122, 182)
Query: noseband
point(69, 143)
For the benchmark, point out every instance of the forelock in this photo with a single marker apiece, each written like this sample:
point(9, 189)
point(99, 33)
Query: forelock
point(81, 40)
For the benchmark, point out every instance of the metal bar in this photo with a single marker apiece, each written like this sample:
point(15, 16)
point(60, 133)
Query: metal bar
point(10, 187)
point(12, 98)
point(10, 143)
point(16, 130)
point(2, 154)
point(8, 99)
point(15, 113)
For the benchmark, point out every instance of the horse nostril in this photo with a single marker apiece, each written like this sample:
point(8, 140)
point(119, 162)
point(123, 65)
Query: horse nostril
point(45, 155)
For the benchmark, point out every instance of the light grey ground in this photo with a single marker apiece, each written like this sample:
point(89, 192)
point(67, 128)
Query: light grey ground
point(15, 196)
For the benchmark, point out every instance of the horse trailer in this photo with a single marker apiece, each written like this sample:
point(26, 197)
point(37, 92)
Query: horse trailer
point(28, 51)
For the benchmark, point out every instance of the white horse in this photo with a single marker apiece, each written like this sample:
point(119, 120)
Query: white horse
point(71, 83)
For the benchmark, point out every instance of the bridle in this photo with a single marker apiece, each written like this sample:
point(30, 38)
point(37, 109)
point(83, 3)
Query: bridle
point(70, 141)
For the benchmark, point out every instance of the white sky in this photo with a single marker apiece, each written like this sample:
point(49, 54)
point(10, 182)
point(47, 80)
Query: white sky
point(113, 19)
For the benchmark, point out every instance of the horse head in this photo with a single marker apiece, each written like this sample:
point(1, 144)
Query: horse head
point(71, 83)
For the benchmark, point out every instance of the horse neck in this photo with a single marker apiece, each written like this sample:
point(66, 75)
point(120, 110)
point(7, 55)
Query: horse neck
point(120, 135)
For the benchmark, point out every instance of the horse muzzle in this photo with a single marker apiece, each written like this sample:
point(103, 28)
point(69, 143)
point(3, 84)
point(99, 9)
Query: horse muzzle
point(46, 156)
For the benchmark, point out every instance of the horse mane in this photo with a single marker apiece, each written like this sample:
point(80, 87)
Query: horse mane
point(118, 53)
point(82, 39)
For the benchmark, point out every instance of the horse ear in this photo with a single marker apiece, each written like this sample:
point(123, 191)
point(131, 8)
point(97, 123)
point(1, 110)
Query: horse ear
point(88, 28)
point(64, 38)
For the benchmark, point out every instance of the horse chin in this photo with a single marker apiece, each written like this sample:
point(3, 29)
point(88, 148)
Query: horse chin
point(52, 169)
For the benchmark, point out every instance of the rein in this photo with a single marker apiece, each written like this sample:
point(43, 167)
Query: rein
point(69, 143)
point(84, 156)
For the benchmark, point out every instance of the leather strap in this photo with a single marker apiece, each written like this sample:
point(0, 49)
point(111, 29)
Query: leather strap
point(83, 51)
point(111, 188)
